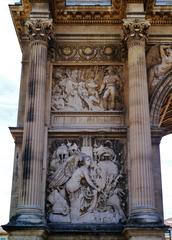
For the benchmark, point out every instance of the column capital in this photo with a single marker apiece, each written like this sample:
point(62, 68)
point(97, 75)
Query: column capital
point(135, 30)
point(39, 28)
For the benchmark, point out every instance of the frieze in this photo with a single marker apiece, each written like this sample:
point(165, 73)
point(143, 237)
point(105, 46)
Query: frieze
point(83, 15)
point(87, 88)
point(86, 181)
point(86, 52)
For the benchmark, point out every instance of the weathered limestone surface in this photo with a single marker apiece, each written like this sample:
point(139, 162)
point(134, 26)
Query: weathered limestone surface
point(88, 164)
point(142, 189)
point(143, 234)
point(28, 235)
point(29, 202)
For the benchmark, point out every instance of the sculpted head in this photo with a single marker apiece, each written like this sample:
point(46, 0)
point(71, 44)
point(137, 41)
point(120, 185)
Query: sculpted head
point(85, 161)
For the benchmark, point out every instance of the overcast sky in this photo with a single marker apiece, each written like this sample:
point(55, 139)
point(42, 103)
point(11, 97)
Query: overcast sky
point(10, 65)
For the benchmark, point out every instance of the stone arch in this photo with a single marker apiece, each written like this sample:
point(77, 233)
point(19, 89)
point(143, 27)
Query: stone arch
point(158, 98)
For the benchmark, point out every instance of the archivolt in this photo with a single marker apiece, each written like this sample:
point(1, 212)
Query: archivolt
point(158, 98)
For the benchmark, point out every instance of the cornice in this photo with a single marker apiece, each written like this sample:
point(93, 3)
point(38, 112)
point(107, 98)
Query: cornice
point(20, 13)
point(158, 15)
point(88, 14)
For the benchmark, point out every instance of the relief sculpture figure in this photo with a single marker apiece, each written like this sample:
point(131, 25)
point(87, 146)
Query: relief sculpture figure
point(109, 88)
point(158, 71)
point(82, 189)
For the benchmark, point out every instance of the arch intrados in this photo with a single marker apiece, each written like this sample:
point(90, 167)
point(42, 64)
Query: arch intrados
point(160, 94)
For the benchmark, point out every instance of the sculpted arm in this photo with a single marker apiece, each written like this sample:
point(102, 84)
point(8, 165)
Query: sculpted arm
point(102, 87)
point(162, 50)
point(89, 181)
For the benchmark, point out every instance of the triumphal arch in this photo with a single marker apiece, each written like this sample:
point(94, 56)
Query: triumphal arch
point(95, 101)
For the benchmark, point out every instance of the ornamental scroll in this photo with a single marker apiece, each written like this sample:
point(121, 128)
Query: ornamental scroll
point(86, 182)
point(87, 88)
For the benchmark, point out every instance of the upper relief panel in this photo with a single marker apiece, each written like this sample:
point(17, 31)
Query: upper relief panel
point(86, 88)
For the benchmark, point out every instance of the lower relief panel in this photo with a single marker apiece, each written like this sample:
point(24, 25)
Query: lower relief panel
point(87, 181)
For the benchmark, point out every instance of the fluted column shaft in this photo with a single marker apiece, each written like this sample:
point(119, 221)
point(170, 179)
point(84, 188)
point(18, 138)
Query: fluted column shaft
point(142, 201)
point(33, 137)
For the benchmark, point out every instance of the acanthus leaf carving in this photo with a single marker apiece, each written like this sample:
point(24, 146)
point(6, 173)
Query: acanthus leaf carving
point(39, 28)
point(136, 29)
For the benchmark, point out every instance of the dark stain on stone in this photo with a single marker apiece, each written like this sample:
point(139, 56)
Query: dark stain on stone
point(31, 88)
point(30, 114)
point(27, 157)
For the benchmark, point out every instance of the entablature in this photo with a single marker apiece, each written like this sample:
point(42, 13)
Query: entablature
point(71, 17)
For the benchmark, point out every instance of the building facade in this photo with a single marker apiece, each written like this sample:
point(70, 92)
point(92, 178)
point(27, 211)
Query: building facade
point(95, 101)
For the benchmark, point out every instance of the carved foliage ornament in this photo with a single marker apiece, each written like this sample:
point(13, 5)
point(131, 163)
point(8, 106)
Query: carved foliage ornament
point(135, 29)
point(39, 29)
point(86, 52)
point(86, 181)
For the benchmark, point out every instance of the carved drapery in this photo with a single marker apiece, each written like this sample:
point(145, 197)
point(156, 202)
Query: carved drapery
point(29, 204)
point(142, 203)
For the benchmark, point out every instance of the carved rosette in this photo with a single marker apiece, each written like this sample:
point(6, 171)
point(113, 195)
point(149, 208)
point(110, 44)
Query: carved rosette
point(85, 52)
point(39, 29)
point(135, 31)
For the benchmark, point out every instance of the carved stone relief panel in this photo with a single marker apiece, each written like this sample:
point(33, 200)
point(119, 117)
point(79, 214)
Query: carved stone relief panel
point(159, 63)
point(86, 181)
point(87, 88)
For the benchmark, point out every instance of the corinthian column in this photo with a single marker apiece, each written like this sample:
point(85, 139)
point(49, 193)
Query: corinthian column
point(29, 207)
point(142, 203)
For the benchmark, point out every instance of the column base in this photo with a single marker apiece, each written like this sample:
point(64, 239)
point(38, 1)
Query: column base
point(145, 217)
point(30, 219)
point(22, 220)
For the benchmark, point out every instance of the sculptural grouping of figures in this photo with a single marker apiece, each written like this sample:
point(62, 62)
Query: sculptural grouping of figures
point(163, 64)
point(84, 188)
point(96, 88)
